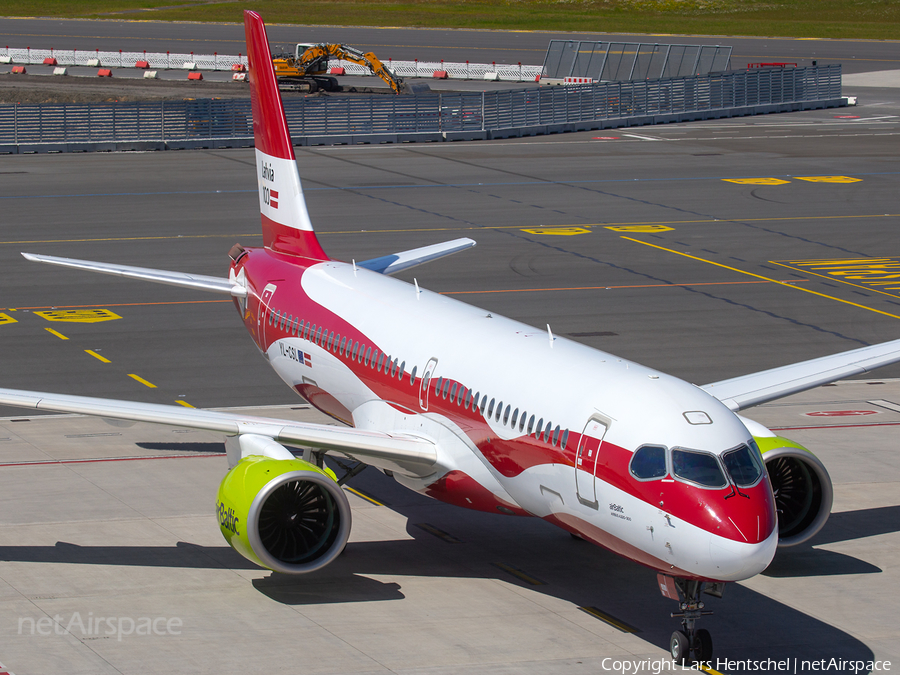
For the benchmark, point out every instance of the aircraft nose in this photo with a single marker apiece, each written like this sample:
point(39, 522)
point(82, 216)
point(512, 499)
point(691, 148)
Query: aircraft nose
point(734, 560)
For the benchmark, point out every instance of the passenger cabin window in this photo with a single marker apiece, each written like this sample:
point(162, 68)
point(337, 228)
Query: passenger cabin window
point(437, 386)
point(412, 375)
point(343, 344)
point(445, 389)
point(565, 438)
point(368, 355)
point(522, 420)
point(499, 411)
point(490, 410)
point(453, 392)
point(744, 465)
point(530, 425)
point(701, 468)
point(649, 462)
point(506, 415)
point(468, 398)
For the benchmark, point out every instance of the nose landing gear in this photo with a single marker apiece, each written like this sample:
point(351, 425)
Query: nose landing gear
point(689, 644)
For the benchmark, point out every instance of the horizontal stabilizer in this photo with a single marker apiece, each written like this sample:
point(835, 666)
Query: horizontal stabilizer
point(198, 281)
point(411, 453)
point(749, 390)
point(397, 262)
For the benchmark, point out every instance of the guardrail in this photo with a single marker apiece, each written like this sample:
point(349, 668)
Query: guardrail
point(432, 117)
point(215, 61)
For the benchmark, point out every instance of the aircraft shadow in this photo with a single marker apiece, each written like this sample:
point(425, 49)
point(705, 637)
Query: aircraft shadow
point(746, 624)
point(807, 560)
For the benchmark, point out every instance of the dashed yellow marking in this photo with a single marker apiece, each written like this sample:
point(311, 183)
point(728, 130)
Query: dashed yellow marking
point(59, 335)
point(707, 669)
point(362, 496)
point(97, 356)
point(141, 380)
point(611, 620)
point(759, 276)
point(756, 181)
point(6, 318)
point(639, 228)
point(881, 275)
point(439, 533)
point(558, 231)
point(519, 574)
point(830, 179)
point(79, 315)
point(184, 403)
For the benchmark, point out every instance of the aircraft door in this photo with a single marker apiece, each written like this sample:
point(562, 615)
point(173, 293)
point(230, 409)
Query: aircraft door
point(427, 376)
point(586, 461)
point(262, 317)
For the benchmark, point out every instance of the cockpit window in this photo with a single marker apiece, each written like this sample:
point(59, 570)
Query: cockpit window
point(649, 462)
point(744, 465)
point(698, 467)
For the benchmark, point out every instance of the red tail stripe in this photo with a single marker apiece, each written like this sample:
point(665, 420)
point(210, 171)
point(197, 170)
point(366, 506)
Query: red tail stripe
point(270, 129)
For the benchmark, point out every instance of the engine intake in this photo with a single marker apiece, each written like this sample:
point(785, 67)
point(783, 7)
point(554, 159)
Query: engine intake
point(287, 515)
point(802, 488)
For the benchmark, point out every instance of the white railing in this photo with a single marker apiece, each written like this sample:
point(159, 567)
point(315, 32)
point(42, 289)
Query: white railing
point(171, 61)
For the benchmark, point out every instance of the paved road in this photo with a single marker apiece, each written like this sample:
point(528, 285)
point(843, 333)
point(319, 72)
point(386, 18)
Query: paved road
point(408, 44)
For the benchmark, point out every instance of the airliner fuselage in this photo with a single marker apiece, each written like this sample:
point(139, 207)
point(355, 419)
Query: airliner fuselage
point(535, 424)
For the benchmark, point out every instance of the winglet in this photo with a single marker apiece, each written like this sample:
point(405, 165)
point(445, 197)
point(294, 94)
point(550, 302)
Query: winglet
point(285, 221)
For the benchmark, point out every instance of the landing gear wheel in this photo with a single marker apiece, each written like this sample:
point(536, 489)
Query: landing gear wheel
point(703, 647)
point(680, 648)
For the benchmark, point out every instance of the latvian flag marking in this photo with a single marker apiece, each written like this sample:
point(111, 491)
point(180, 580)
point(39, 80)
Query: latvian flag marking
point(273, 199)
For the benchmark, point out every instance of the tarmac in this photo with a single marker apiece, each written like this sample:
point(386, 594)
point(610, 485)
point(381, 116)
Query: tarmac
point(106, 530)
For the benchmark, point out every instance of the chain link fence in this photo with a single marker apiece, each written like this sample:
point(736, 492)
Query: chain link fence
point(444, 116)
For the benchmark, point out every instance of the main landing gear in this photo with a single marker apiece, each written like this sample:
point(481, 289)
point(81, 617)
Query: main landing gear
point(689, 644)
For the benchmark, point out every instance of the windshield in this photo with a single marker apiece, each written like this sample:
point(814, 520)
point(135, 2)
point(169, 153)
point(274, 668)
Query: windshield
point(744, 466)
point(698, 467)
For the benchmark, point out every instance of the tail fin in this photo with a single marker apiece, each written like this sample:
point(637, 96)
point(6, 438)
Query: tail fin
point(285, 222)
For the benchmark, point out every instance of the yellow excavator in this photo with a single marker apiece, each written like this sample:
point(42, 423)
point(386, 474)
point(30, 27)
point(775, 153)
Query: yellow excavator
point(307, 68)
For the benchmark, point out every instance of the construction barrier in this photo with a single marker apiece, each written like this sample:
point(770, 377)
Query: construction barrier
point(195, 76)
point(142, 64)
point(104, 72)
point(422, 118)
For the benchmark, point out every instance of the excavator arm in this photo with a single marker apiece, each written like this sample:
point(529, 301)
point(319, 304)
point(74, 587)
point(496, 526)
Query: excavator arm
point(312, 60)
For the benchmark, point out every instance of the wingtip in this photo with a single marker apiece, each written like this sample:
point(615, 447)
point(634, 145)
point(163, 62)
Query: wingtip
point(30, 256)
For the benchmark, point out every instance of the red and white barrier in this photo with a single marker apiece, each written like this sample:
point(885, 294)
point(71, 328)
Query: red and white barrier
point(580, 80)
point(142, 64)
point(104, 72)
point(195, 76)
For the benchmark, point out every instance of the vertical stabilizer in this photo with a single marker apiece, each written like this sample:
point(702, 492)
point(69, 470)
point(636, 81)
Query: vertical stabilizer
point(285, 222)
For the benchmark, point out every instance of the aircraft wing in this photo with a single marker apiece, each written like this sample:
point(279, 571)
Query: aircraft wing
point(749, 390)
point(397, 262)
point(410, 453)
point(197, 281)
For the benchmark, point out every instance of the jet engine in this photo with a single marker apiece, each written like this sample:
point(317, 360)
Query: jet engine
point(287, 515)
point(802, 487)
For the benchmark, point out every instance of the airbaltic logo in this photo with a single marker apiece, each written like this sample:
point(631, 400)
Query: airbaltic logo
point(270, 197)
point(227, 518)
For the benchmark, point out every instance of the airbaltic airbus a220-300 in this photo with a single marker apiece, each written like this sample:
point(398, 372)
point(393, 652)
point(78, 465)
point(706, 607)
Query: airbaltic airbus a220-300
point(658, 470)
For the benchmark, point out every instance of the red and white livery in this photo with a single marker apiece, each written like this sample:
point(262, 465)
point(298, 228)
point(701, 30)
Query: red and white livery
point(487, 413)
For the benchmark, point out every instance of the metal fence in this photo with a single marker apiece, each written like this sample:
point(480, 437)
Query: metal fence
point(434, 113)
point(610, 61)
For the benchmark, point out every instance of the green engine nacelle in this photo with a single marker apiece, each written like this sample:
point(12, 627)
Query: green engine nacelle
point(285, 514)
point(802, 487)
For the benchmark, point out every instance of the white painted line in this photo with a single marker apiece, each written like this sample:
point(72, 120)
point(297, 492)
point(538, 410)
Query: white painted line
point(885, 404)
point(644, 138)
